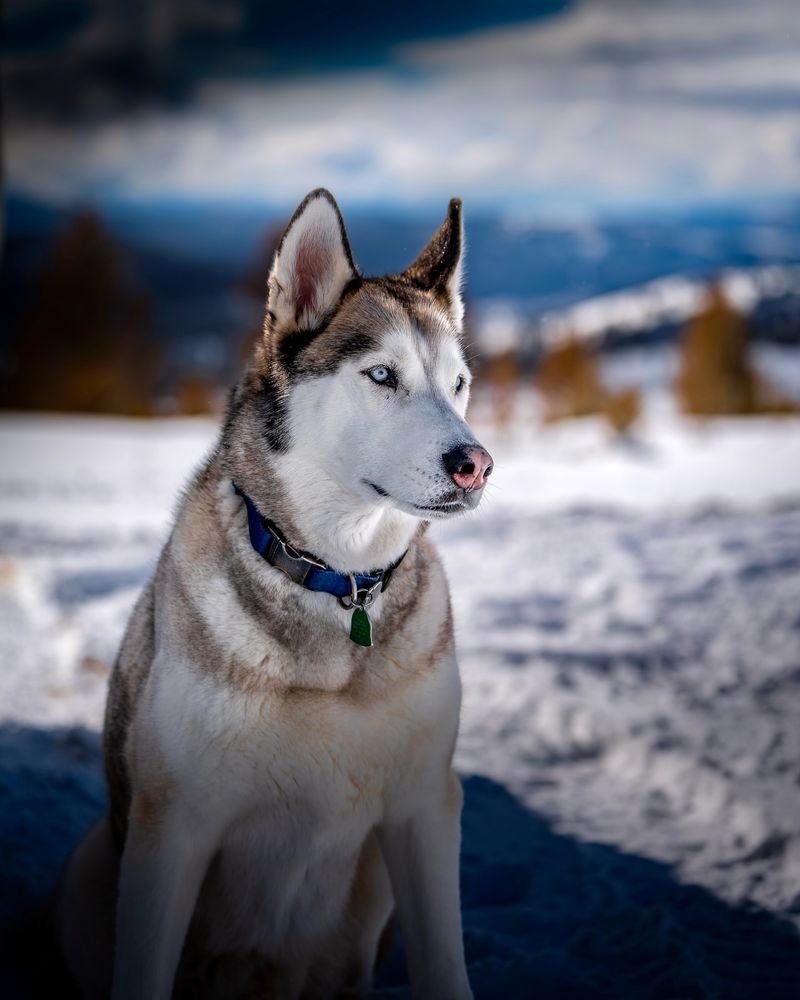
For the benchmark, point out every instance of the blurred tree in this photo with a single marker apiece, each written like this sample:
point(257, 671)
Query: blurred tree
point(716, 376)
point(568, 380)
point(501, 374)
point(84, 345)
point(621, 409)
point(195, 394)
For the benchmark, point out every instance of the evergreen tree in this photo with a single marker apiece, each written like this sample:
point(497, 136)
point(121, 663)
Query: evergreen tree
point(84, 345)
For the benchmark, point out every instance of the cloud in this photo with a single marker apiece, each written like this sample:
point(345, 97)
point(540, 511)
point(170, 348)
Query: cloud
point(604, 105)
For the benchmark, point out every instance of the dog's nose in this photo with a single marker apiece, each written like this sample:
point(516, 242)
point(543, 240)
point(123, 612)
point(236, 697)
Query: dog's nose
point(469, 466)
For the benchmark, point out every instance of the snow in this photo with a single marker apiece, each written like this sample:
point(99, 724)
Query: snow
point(628, 622)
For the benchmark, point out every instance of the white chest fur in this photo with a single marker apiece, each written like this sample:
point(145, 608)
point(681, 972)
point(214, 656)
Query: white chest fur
point(294, 780)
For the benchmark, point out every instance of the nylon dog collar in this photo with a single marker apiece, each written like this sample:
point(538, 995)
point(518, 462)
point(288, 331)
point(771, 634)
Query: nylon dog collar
point(354, 590)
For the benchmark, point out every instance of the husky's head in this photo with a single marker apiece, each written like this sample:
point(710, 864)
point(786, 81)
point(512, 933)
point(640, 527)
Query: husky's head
point(348, 427)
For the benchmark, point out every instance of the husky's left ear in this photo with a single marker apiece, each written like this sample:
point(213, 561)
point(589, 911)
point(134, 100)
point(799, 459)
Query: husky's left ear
point(439, 268)
point(313, 265)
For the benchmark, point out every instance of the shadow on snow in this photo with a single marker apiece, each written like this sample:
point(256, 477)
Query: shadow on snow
point(545, 914)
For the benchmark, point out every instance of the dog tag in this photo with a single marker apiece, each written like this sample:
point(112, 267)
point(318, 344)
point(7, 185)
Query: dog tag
point(361, 627)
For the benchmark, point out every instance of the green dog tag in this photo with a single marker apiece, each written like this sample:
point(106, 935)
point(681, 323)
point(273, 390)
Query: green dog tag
point(361, 627)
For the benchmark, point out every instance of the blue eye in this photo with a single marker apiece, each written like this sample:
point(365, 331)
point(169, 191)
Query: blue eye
point(382, 375)
point(460, 383)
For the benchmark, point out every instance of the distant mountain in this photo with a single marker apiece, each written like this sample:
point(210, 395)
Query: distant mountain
point(539, 264)
point(769, 295)
point(193, 259)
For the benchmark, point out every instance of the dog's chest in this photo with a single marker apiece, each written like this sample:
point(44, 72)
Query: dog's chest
point(296, 775)
point(302, 785)
point(314, 754)
point(300, 751)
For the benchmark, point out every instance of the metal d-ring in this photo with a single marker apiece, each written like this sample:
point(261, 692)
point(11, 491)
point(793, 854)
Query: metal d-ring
point(354, 599)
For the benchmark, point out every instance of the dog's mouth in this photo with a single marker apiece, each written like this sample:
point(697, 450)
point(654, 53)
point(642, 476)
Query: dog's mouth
point(454, 502)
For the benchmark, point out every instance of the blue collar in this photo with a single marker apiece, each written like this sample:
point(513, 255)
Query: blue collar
point(352, 589)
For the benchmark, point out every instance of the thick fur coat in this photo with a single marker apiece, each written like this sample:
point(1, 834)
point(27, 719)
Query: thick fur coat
point(277, 791)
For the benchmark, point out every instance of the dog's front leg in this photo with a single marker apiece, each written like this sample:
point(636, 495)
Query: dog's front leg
point(421, 845)
point(163, 864)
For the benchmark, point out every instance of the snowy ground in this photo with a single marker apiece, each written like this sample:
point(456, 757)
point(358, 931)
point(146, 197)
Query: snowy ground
point(629, 631)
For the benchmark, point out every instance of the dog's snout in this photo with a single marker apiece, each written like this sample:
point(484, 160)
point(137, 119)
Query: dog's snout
point(469, 466)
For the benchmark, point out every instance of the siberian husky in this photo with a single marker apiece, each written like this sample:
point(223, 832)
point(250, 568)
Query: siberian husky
point(283, 711)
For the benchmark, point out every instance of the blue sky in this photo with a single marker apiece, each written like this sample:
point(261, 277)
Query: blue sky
point(596, 107)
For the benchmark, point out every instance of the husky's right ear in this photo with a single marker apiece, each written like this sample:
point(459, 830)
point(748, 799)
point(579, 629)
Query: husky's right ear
point(313, 265)
point(439, 268)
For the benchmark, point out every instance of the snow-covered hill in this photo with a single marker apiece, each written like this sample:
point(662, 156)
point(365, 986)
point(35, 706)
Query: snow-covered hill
point(648, 313)
point(672, 301)
point(627, 619)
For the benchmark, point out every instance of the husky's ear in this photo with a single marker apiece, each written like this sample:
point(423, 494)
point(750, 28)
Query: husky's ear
point(313, 265)
point(439, 268)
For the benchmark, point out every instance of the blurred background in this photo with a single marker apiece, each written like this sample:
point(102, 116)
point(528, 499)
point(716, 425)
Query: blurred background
point(627, 593)
point(616, 160)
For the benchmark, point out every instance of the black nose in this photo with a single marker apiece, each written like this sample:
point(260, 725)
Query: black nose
point(458, 459)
